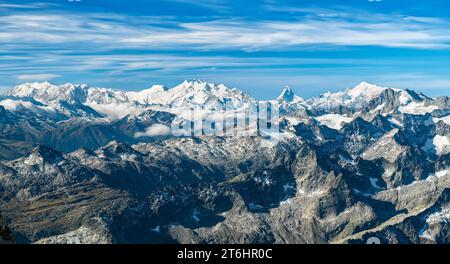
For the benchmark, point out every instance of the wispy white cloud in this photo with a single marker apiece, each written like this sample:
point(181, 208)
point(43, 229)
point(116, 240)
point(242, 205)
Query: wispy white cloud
point(104, 32)
point(37, 77)
point(25, 6)
point(216, 5)
point(154, 131)
point(120, 63)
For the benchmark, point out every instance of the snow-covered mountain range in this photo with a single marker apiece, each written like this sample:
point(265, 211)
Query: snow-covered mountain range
point(102, 165)
point(113, 104)
point(198, 94)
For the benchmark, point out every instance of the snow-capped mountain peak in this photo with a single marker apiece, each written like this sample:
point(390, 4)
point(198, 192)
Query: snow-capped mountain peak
point(146, 96)
point(28, 89)
point(196, 93)
point(80, 100)
point(366, 90)
point(116, 103)
point(44, 91)
point(352, 98)
point(287, 95)
point(48, 93)
point(356, 148)
point(70, 99)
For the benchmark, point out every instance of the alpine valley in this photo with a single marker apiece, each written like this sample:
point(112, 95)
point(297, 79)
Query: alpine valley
point(82, 164)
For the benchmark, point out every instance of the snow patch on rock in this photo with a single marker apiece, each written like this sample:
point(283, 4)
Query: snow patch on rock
point(334, 121)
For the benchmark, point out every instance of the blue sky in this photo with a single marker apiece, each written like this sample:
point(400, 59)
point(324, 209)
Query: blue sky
point(258, 46)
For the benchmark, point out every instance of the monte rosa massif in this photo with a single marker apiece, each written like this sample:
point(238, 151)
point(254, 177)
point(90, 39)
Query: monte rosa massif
point(82, 164)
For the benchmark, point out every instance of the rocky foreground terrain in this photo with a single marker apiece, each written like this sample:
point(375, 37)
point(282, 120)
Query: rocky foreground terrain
point(83, 164)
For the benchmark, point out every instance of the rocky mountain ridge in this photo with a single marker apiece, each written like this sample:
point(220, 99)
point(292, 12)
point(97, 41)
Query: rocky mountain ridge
point(367, 161)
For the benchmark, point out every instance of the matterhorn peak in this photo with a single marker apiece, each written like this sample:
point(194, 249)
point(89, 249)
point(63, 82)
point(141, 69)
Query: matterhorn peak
point(287, 95)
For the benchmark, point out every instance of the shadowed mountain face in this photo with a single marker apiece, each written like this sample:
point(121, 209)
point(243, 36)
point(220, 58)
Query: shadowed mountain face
point(83, 164)
point(6, 236)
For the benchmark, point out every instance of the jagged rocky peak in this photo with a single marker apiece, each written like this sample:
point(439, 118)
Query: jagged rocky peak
point(84, 152)
point(416, 96)
point(200, 86)
point(354, 99)
point(47, 92)
point(197, 93)
point(43, 154)
point(117, 147)
point(190, 93)
point(356, 173)
point(383, 123)
point(288, 95)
